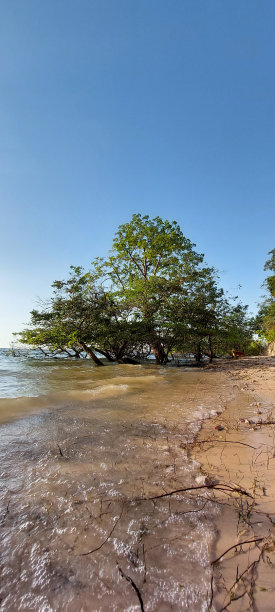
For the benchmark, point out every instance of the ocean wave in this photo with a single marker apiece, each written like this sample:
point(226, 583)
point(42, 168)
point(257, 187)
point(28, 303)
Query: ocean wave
point(108, 390)
point(16, 407)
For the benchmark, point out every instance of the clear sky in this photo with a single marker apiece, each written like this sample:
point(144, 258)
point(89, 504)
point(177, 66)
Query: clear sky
point(110, 107)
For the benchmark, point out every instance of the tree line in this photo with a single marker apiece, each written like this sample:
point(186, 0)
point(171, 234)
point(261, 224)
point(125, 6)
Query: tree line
point(265, 320)
point(153, 294)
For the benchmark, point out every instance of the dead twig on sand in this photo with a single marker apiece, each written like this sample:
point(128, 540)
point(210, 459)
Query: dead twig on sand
point(7, 512)
point(106, 539)
point(225, 488)
point(60, 451)
point(251, 567)
point(144, 563)
point(235, 546)
point(224, 442)
point(211, 591)
point(265, 423)
point(232, 597)
point(132, 583)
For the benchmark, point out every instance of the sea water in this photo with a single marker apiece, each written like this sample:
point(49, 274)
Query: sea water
point(88, 456)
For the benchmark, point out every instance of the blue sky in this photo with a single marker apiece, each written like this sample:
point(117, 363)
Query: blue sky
point(113, 107)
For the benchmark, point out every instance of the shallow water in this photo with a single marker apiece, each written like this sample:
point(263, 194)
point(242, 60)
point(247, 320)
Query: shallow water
point(78, 530)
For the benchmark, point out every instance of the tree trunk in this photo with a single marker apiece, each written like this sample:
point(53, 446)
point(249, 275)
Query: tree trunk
point(105, 354)
point(120, 352)
point(90, 353)
point(211, 353)
point(159, 352)
point(42, 351)
point(198, 354)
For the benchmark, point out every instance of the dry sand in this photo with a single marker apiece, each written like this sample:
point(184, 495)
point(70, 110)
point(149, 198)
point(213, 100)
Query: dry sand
point(238, 448)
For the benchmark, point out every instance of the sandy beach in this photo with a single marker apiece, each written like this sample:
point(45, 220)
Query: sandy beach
point(237, 449)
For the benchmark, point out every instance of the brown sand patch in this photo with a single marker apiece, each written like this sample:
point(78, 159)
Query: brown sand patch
point(238, 448)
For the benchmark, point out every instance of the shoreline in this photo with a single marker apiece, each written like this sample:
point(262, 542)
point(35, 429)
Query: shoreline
point(236, 449)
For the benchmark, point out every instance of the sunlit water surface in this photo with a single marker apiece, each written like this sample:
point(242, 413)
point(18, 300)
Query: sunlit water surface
point(82, 450)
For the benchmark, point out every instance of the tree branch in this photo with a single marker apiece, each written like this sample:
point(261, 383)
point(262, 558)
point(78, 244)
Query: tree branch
point(157, 264)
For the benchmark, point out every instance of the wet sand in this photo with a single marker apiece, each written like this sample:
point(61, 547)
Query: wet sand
point(238, 448)
point(87, 522)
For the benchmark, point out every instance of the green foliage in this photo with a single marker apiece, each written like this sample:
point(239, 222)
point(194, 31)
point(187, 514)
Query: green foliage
point(265, 319)
point(150, 261)
point(152, 293)
point(152, 266)
point(74, 314)
point(270, 280)
point(256, 347)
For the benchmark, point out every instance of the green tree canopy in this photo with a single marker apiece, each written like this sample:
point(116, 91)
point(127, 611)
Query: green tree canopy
point(266, 316)
point(152, 293)
point(71, 318)
point(150, 266)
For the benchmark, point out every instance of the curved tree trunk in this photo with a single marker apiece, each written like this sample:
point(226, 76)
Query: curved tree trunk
point(90, 353)
point(105, 354)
